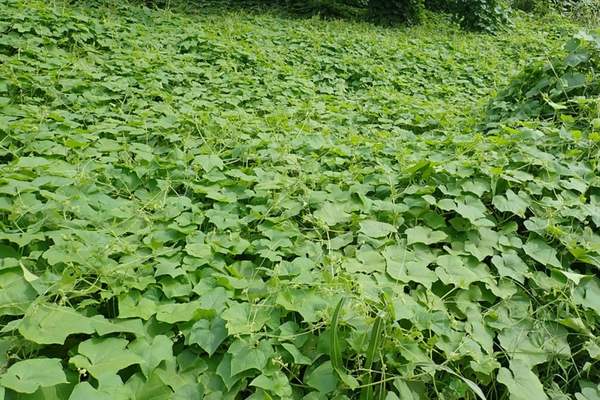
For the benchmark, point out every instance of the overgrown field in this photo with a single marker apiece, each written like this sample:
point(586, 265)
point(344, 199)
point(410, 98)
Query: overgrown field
point(224, 204)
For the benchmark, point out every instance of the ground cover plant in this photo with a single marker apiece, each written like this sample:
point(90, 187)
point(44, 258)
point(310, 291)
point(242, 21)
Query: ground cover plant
point(200, 203)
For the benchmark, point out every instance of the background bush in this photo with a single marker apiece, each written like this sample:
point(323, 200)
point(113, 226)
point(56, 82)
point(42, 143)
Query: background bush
point(585, 11)
point(565, 88)
point(328, 8)
point(396, 10)
point(536, 6)
point(480, 15)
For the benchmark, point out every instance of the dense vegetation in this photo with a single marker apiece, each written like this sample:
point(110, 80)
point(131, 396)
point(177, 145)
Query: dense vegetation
point(209, 203)
point(484, 15)
point(477, 15)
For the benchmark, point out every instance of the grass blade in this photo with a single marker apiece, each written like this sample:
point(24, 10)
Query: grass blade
point(336, 351)
point(372, 350)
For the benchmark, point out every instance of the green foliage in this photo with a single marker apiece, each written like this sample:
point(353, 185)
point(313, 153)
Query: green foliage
point(587, 12)
point(564, 88)
point(28, 375)
point(331, 8)
point(186, 198)
point(396, 10)
point(438, 5)
point(534, 6)
point(381, 11)
point(480, 15)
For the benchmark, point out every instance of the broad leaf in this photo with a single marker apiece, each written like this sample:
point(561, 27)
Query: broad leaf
point(537, 249)
point(27, 376)
point(245, 355)
point(51, 324)
point(276, 383)
point(425, 235)
point(323, 378)
point(376, 229)
point(101, 356)
point(522, 384)
point(208, 334)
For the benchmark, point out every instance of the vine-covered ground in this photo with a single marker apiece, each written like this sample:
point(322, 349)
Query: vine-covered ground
point(225, 204)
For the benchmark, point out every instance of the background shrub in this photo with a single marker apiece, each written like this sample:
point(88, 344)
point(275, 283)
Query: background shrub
point(535, 6)
point(586, 11)
point(566, 87)
point(396, 10)
point(438, 5)
point(479, 15)
point(328, 8)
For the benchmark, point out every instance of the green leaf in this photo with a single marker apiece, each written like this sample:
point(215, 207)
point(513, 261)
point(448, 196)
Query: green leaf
point(537, 249)
point(208, 334)
point(510, 203)
point(51, 324)
point(323, 378)
point(16, 294)
point(587, 294)
point(511, 265)
point(367, 260)
point(425, 235)
point(8, 252)
point(276, 383)
point(245, 355)
point(200, 250)
point(477, 186)
point(228, 185)
point(472, 209)
point(452, 270)
point(298, 357)
point(136, 305)
point(101, 356)
point(481, 244)
point(152, 353)
point(332, 214)
point(522, 384)
point(244, 318)
point(113, 385)
point(151, 389)
point(472, 385)
point(28, 375)
point(32, 162)
point(340, 241)
point(308, 302)
point(224, 371)
point(85, 391)
point(408, 265)
point(179, 312)
point(589, 391)
point(208, 162)
point(376, 229)
point(410, 390)
point(104, 326)
point(213, 299)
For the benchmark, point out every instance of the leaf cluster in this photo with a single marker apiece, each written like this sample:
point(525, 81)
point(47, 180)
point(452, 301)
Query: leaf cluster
point(244, 206)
